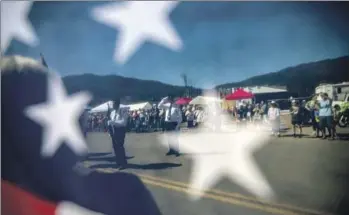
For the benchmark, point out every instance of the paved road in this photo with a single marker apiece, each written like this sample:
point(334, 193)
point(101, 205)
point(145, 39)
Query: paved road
point(303, 172)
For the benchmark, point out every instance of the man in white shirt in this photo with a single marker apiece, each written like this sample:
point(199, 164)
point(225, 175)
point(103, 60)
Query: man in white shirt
point(117, 128)
point(173, 120)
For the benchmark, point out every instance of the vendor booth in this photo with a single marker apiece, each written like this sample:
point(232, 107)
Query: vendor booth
point(183, 101)
point(239, 94)
point(228, 104)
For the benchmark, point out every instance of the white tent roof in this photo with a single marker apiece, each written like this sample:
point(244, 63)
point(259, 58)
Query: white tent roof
point(202, 100)
point(144, 105)
point(264, 89)
point(104, 107)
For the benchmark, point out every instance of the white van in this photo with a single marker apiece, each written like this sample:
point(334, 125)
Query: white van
point(339, 93)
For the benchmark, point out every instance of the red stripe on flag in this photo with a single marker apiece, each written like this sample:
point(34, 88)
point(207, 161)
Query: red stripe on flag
point(16, 201)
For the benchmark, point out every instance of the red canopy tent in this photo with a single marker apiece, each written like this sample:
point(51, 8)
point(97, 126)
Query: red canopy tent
point(183, 101)
point(239, 94)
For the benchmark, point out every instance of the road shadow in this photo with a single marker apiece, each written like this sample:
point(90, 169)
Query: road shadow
point(104, 158)
point(153, 166)
point(203, 153)
point(343, 136)
point(98, 154)
point(297, 135)
point(284, 130)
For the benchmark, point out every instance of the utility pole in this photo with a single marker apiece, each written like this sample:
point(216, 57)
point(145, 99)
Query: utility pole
point(43, 61)
point(185, 80)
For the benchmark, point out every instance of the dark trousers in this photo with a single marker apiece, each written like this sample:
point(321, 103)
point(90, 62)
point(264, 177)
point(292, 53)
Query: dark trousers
point(84, 131)
point(118, 139)
point(173, 145)
point(326, 122)
point(162, 124)
point(315, 125)
point(157, 123)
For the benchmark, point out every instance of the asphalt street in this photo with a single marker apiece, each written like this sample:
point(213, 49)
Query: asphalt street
point(304, 173)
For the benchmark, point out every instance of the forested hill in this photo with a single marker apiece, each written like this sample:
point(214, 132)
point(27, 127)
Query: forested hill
point(302, 79)
point(106, 87)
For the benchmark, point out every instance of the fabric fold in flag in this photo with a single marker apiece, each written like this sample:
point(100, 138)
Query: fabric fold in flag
point(16, 201)
point(35, 182)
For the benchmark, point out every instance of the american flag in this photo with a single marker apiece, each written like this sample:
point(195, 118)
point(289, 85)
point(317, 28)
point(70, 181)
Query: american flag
point(39, 148)
point(36, 180)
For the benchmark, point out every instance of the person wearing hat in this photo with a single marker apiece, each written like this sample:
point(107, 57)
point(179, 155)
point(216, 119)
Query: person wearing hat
point(173, 119)
point(274, 118)
point(117, 123)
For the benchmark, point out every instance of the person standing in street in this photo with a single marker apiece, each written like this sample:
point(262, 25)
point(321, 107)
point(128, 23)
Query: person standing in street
point(162, 119)
point(190, 117)
point(84, 121)
point(264, 112)
point(117, 128)
point(326, 115)
point(173, 120)
point(336, 117)
point(274, 118)
point(311, 107)
point(296, 118)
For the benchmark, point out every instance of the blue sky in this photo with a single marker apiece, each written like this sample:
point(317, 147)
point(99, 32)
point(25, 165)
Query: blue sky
point(223, 41)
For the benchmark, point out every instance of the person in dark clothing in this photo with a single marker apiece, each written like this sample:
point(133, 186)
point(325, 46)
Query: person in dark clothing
point(336, 117)
point(296, 117)
point(162, 120)
point(83, 121)
point(157, 118)
point(152, 119)
point(312, 108)
point(242, 112)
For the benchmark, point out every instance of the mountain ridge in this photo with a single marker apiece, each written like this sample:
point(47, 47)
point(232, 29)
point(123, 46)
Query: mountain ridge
point(300, 79)
point(324, 71)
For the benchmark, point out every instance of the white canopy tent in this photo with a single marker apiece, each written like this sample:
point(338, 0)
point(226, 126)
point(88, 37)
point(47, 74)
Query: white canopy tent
point(104, 107)
point(143, 106)
point(203, 100)
point(101, 108)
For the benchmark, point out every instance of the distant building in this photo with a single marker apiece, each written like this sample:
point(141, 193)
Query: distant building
point(257, 90)
point(277, 93)
point(265, 93)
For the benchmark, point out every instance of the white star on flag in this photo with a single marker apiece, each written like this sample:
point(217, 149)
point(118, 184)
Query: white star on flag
point(59, 118)
point(223, 152)
point(138, 22)
point(15, 24)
